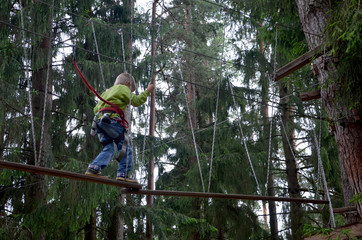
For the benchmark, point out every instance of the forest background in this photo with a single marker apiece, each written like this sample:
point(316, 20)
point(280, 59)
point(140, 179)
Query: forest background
point(221, 123)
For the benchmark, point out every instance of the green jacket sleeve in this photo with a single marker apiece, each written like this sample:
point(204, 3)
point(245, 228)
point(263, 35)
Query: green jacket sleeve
point(139, 99)
point(119, 95)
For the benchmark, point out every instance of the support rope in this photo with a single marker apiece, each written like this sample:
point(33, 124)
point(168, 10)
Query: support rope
point(28, 81)
point(325, 184)
point(217, 106)
point(144, 135)
point(39, 163)
point(120, 32)
point(117, 60)
point(99, 57)
point(272, 109)
point(130, 131)
point(152, 73)
point(131, 38)
point(289, 144)
point(319, 176)
point(269, 145)
point(191, 126)
point(243, 139)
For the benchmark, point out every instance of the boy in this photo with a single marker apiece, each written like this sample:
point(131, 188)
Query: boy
point(110, 126)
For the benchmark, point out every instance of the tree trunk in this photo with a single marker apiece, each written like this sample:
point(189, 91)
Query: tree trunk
point(190, 76)
point(348, 132)
point(35, 196)
point(273, 222)
point(130, 42)
point(90, 232)
point(39, 84)
point(191, 95)
point(4, 38)
point(151, 164)
point(272, 209)
point(296, 211)
point(116, 229)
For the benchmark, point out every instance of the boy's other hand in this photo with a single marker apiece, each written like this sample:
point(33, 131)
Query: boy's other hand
point(150, 87)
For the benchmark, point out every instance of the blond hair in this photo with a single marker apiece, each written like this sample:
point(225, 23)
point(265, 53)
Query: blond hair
point(124, 78)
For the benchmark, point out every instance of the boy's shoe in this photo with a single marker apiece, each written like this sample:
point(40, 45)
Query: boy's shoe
point(130, 180)
point(95, 173)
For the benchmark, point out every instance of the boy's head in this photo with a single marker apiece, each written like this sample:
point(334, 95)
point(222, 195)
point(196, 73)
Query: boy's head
point(126, 79)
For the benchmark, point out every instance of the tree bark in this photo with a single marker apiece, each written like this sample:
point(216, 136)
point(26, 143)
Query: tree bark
point(191, 95)
point(348, 132)
point(35, 196)
point(90, 232)
point(151, 164)
point(116, 227)
point(296, 211)
point(273, 222)
point(190, 76)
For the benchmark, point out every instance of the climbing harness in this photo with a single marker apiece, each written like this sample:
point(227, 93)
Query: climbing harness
point(114, 108)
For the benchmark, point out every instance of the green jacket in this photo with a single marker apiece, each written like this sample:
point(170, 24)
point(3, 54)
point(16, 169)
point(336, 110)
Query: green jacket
point(119, 95)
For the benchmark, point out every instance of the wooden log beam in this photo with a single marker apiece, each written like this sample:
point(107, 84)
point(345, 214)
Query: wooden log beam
point(345, 209)
point(307, 96)
point(298, 63)
point(65, 174)
point(222, 196)
point(133, 188)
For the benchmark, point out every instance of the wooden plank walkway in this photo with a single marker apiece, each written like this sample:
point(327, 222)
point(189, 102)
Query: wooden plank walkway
point(298, 63)
point(66, 174)
point(132, 188)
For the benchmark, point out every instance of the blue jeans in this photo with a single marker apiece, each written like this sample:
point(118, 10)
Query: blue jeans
point(110, 131)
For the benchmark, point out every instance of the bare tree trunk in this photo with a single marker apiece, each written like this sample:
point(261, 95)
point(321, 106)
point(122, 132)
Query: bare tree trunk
point(348, 132)
point(151, 164)
point(35, 196)
point(39, 85)
point(273, 222)
point(4, 36)
point(296, 211)
point(191, 97)
point(190, 76)
point(272, 209)
point(116, 227)
point(90, 232)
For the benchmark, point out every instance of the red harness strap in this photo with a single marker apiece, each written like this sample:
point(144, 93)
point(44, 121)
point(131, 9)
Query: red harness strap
point(113, 107)
point(122, 119)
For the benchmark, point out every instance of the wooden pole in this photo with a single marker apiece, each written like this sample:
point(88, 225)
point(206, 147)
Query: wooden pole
point(151, 164)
